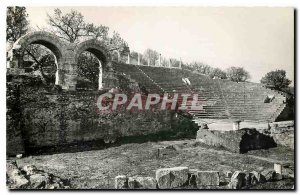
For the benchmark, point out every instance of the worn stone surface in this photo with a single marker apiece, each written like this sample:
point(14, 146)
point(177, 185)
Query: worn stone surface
point(207, 178)
point(168, 178)
point(236, 141)
point(30, 169)
point(283, 133)
point(192, 177)
point(234, 184)
point(278, 168)
point(138, 182)
point(15, 177)
point(64, 115)
point(238, 180)
point(31, 178)
point(40, 180)
point(228, 174)
point(269, 174)
point(256, 177)
point(278, 177)
point(121, 182)
point(288, 171)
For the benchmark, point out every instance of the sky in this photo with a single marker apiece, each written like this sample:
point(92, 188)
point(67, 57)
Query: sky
point(260, 39)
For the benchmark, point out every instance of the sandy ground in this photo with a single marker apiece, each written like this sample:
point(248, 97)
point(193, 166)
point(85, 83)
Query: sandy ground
point(97, 168)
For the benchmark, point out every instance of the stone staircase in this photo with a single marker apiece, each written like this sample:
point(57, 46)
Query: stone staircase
point(221, 99)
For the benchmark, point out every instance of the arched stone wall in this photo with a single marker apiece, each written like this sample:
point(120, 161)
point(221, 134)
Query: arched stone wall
point(97, 48)
point(51, 41)
point(94, 46)
point(66, 55)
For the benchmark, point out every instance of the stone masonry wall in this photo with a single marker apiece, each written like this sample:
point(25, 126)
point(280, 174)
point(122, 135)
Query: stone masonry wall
point(236, 140)
point(283, 133)
point(42, 116)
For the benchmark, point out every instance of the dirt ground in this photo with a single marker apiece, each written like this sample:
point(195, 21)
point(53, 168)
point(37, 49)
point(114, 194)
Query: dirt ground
point(96, 169)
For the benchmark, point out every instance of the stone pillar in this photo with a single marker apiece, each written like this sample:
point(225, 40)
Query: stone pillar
point(139, 59)
point(15, 61)
point(100, 85)
point(16, 58)
point(159, 60)
point(278, 168)
point(57, 77)
point(148, 62)
point(180, 63)
point(68, 71)
point(119, 56)
point(69, 77)
point(236, 125)
point(128, 58)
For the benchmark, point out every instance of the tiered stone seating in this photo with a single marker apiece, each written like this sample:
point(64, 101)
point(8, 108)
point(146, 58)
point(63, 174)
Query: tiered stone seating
point(221, 99)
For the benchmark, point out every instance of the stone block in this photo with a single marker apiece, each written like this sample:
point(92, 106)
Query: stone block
point(278, 177)
point(39, 181)
point(121, 182)
point(141, 182)
point(238, 180)
point(278, 168)
point(240, 141)
point(235, 184)
point(228, 174)
point(168, 178)
point(207, 178)
point(17, 180)
point(269, 174)
point(256, 178)
point(192, 177)
point(30, 169)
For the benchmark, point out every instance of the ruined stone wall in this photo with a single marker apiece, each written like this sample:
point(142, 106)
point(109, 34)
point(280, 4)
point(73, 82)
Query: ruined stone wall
point(14, 142)
point(45, 116)
point(57, 119)
point(283, 133)
point(240, 141)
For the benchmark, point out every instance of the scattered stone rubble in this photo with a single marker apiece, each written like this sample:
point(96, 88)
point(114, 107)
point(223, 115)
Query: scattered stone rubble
point(183, 177)
point(29, 177)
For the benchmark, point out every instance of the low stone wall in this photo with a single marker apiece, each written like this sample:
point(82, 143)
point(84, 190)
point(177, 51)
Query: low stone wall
point(185, 178)
point(283, 133)
point(236, 140)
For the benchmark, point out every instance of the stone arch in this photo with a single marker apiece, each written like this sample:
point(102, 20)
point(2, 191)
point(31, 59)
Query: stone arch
point(97, 48)
point(50, 41)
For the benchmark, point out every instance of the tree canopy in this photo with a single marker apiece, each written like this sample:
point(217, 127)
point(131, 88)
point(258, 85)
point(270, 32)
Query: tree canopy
point(276, 79)
point(72, 27)
point(237, 74)
point(16, 23)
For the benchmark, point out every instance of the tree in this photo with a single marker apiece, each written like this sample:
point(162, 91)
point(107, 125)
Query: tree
point(217, 72)
point(151, 56)
point(200, 68)
point(88, 69)
point(165, 62)
point(72, 27)
point(276, 79)
point(237, 74)
point(118, 43)
point(16, 23)
point(43, 62)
